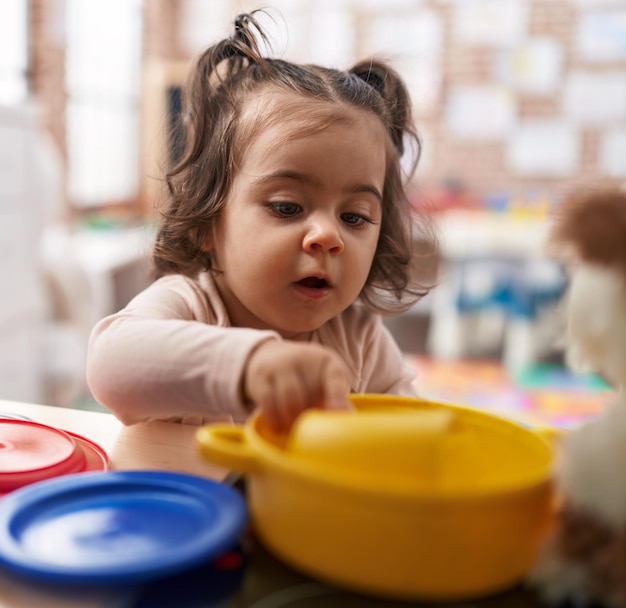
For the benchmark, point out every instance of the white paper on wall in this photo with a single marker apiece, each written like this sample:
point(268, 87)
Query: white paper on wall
point(203, 23)
point(404, 34)
point(534, 67)
point(613, 153)
point(595, 98)
point(332, 36)
point(597, 4)
point(413, 42)
point(490, 22)
point(601, 36)
point(286, 24)
point(544, 148)
point(423, 80)
point(294, 45)
point(388, 4)
point(480, 112)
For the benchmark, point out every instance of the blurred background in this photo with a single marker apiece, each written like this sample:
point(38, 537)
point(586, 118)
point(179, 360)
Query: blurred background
point(519, 104)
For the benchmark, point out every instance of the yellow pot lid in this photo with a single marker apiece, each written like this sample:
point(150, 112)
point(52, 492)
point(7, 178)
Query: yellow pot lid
point(419, 445)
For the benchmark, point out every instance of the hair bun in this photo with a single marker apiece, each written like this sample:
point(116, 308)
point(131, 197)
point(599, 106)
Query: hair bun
point(371, 76)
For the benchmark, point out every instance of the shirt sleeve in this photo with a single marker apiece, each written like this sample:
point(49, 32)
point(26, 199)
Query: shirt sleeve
point(162, 358)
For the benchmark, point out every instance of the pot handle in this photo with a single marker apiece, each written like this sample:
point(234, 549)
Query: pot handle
point(226, 446)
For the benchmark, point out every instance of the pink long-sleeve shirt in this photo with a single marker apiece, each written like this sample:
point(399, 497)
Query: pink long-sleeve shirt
point(172, 354)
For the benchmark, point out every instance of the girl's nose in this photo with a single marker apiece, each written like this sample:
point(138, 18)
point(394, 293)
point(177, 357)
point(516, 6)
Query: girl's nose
point(323, 234)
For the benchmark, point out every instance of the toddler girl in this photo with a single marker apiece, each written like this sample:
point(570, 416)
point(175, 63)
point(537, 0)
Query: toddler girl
point(287, 232)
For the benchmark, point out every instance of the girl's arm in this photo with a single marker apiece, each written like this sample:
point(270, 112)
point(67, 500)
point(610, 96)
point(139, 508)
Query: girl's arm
point(161, 358)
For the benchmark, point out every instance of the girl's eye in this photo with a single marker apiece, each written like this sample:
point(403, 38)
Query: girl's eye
point(285, 209)
point(355, 219)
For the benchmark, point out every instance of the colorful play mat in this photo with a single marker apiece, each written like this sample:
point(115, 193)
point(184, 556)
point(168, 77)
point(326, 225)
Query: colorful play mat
point(541, 394)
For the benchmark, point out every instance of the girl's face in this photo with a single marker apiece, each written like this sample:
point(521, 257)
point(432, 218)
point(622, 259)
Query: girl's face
point(301, 222)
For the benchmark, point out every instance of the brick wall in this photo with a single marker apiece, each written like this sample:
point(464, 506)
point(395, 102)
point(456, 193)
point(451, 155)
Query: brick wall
point(481, 165)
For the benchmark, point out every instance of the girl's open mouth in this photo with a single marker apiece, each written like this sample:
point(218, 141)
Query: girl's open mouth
point(314, 283)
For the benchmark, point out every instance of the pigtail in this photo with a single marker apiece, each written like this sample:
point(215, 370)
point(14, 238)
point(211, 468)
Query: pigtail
point(217, 68)
point(206, 122)
point(241, 49)
point(388, 84)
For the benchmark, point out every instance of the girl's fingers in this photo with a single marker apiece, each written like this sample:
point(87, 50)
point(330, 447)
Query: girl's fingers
point(290, 397)
point(338, 402)
point(283, 379)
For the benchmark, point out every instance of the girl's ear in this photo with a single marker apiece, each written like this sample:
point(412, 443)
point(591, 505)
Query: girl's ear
point(199, 240)
point(208, 244)
point(209, 239)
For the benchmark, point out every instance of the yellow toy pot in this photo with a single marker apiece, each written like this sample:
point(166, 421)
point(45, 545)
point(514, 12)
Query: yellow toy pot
point(403, 498)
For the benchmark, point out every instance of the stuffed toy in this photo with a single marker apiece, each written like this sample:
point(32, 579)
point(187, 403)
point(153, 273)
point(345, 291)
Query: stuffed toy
point(583, 560)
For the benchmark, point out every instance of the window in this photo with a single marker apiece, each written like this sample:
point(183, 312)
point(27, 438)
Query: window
point(103, 65)
point(13, 51)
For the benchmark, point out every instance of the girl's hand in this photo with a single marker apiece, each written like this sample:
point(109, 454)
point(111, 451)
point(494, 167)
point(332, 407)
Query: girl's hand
point(284, 378)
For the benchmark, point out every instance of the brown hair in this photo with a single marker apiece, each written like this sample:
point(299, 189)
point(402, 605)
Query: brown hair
point(221, 83)
point(593, 224)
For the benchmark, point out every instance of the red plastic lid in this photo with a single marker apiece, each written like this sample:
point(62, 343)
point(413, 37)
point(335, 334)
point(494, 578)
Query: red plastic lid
point(96, 459)
point(31, 452)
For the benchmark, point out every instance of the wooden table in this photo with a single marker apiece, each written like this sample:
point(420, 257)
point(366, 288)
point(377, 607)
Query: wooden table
point(153, 445)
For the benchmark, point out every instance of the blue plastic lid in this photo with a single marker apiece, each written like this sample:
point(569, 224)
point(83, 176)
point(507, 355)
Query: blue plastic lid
point(118, 527)
point(13, 416)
